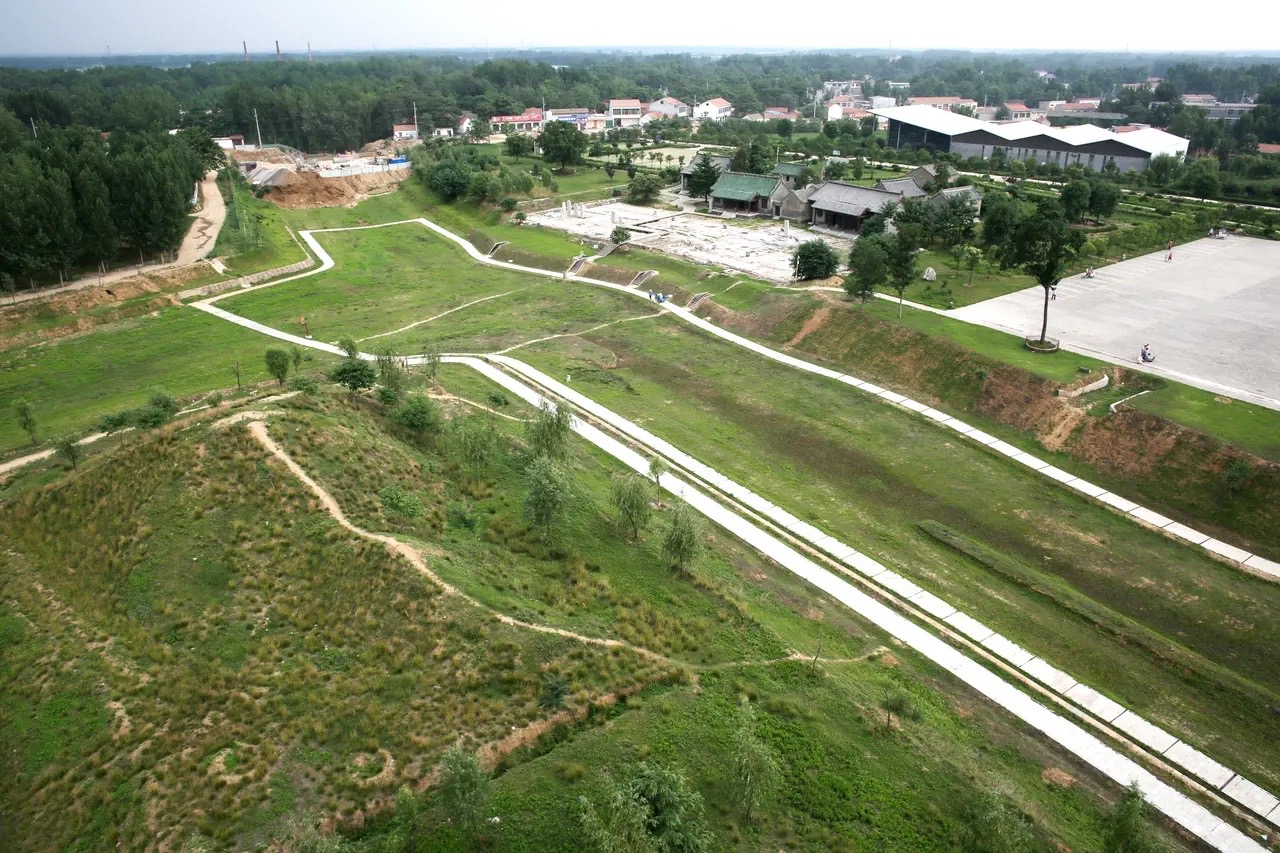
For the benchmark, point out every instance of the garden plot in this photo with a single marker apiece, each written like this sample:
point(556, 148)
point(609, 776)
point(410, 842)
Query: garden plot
point(761, 248)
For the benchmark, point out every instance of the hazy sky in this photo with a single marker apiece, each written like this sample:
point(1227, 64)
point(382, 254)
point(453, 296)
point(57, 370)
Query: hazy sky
point(183, 26)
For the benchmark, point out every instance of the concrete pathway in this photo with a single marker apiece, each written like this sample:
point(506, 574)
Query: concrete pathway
point(196, 246)
point(1253, 563)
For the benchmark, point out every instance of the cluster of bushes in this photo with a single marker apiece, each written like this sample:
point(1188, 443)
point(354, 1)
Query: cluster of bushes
point(465, 171)
point(158, 411)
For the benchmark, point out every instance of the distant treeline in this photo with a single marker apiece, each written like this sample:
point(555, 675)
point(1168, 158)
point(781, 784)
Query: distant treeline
point(342, 104)
point(70, 198)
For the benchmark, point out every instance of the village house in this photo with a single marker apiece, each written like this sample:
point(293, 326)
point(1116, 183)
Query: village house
point(844, 207)
point(466, 121)
point(716, 109)
point(947, 102)
point(755, 195)
point(771, 113)
point(670, 108)
point(529, 121)
point(792, 174)
point(624, 112)
point(404, 132)
point(1018, 110)
point(720, 162)
point(576, 116)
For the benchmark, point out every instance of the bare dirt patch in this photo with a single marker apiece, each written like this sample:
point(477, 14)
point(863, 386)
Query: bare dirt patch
point(1058, 778)
point(815, 321)
point(308, 189)
point(382, 777)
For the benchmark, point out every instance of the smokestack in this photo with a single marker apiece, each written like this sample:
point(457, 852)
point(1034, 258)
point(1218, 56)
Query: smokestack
point(308, 51)
point(246, 50)
point(277, 50)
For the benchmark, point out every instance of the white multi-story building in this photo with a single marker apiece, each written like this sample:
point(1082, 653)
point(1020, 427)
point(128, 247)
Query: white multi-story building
point(716, 109)
point(625, 112)
point(670, 108)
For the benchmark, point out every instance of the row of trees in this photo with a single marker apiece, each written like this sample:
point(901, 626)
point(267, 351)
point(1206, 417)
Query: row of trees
point(72, 198)
point(338, 105)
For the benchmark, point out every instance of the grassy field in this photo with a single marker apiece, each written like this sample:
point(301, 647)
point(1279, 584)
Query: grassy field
point(871, 474)
point(237, 667)
point(261, 242)
point(390, 278)
point(952, 288)
point(74, 381)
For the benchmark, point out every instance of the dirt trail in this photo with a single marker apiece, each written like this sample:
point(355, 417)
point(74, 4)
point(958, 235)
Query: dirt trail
point(258, 430)
point(816, 321)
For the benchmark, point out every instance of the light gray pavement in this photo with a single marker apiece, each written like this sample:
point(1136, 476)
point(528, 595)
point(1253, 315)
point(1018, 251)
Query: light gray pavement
point(1211, 315)
point(1161, 743)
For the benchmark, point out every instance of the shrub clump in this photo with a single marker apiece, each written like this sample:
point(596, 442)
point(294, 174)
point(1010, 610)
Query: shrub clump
point(400, 502)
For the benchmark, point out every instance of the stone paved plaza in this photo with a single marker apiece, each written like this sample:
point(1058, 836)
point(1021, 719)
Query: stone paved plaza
point(1211, 315)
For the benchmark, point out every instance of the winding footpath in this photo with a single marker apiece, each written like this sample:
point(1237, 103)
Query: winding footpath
point(1089, 747)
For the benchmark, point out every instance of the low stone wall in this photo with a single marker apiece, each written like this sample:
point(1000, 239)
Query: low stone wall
point(1095, 385)
point(246, 280)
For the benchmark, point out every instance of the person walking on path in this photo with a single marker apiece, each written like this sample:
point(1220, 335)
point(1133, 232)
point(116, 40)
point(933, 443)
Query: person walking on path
point(1169, 247)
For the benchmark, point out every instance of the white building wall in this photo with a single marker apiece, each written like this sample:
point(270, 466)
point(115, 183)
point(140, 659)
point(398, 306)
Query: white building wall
point(1064, 158)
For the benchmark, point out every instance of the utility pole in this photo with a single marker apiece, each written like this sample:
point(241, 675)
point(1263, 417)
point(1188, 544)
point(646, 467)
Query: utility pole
point(415, 118)
point(258, 126)
point(33, 128)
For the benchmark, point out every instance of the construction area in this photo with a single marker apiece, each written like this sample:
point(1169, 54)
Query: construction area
point(761, 248)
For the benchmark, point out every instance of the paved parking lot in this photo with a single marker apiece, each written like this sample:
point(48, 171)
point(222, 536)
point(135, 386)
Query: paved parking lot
point(1211, 315)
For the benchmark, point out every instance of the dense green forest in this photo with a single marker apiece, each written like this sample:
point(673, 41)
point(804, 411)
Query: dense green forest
point(72, 197)
point(335, 105)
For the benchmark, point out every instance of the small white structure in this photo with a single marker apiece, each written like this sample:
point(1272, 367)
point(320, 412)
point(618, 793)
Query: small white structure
point(404, 132)
point(670, 108)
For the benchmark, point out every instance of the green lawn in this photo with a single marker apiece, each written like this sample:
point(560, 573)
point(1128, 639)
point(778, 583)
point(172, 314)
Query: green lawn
point(389, 278)
point(74, 381)
point(869, 474)
point(953, 288)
